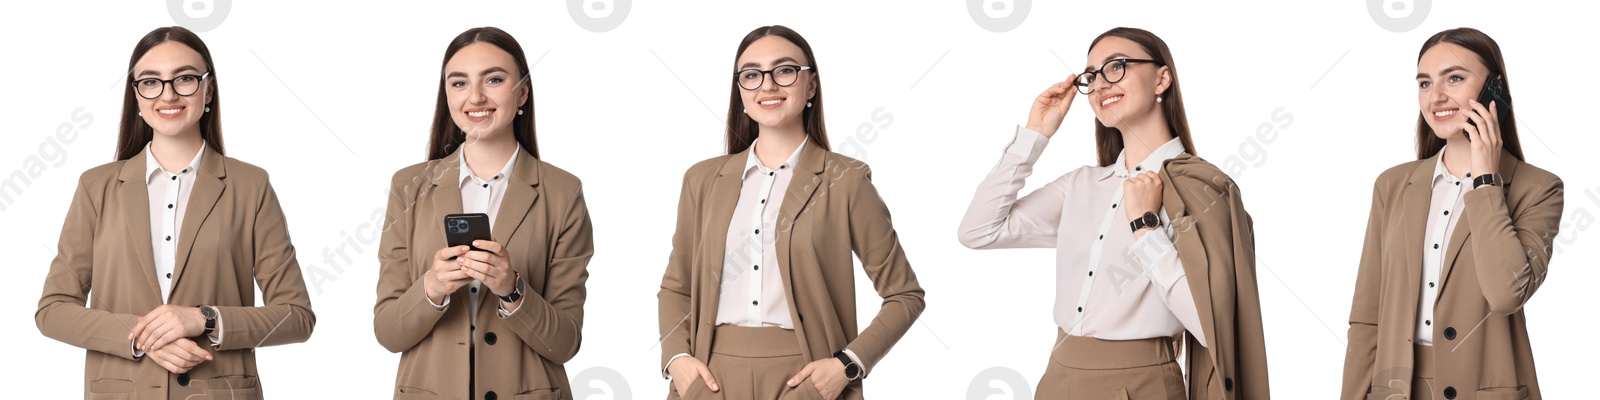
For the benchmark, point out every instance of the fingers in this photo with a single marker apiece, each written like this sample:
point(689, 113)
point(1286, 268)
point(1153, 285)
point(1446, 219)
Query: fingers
point(193, 352)
point(490, 246)
point(167, 337)
point(448, 253)
point(705, 376)
point(805, 373)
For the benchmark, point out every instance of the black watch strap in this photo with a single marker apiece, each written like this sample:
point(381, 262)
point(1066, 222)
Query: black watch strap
point(1148, 220)
point(210, 314)
point(516, 291)
point(852, 371)
point(1488, 179)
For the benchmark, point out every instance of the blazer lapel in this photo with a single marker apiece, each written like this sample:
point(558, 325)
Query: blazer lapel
point(1458, 238)
point(1414, 204)
point(802, 185)
point(208, 188)
point(517, 203)
point(135, 195)
point(445, 198)
point(720, 203)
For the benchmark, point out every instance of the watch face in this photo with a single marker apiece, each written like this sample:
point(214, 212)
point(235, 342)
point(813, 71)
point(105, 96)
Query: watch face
point(1150, 219)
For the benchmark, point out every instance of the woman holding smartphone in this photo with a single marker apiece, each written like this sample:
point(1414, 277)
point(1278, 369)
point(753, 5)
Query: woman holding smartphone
point(1457, 242)
point(171, 241)
point(758, 300)
point(493, 318)
point(1153, 244)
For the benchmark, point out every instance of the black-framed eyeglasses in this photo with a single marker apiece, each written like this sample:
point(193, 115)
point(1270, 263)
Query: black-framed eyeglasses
point(782, 75)
point(1113, 71)
point(182, 85)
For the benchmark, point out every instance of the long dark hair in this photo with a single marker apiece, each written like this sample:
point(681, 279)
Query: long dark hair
point(1429, 143)
point(1108, 141)
point(133, 133)
point(742, 131)
point(446, 135)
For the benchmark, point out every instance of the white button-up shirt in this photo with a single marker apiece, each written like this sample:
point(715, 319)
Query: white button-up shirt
point(1449, 196)
point(752, 289)
point(1108, 285)
point(169, 198)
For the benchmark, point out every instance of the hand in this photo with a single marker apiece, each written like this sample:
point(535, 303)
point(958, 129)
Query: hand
point(491, 267)
point(1051, 106)
point(685, 369)
point(446, 275)
point(826, 374)
point(166, 324)
point(1485, 137)
point(1141, 194)
point(180, 356)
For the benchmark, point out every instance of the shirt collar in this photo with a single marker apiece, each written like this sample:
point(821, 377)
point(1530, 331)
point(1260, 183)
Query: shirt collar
point(1440, 172)
point(152, 168)
point(505, 171)
point(1152, 163)
point(753, 162)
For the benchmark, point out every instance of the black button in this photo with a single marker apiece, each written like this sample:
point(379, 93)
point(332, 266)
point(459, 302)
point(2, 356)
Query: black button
point(758, 231)
point(1102, 237)
point(169, 275)
point(174, 178)
point(763, 201)
point(1446, 212)
point(169, 206)
point(1080, 309)
point(185, 170)
point(1458, 183)
point(1450, 333)
point(489, 338)
point(183, 379)
point(770, 173)
point(1430, 284)
point(1091, 273)
point(169, 238)
point(783, 166)
point(1449, 392)
point(1227, 384)
point(490, 396)
point(1427, 322)
point(474, 290)
point(485, 186)
point(1138, 168)
point(754, 302)
point(758, 267)
point(1435, 245)
point(1113, 205)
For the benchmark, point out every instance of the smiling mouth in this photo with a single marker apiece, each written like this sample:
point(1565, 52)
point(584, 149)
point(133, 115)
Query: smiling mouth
point(1443, 114)
point(1110, 100)
point(479, 115)
point(169, 112)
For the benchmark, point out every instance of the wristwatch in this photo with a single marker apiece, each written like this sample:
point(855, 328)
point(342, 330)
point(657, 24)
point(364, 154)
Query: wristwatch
point(852, 371)
point(516, 292)
point(210, 314)
point(1490, 179)
point(1149, 220)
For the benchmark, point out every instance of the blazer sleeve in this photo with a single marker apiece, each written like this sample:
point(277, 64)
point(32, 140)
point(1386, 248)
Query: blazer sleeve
point(874, 241)
point(551, 323)
point(403, 315)
point(62, 314)
point(1512, 252)
point(673, 302)
point(285, 316)
point(1362, 340)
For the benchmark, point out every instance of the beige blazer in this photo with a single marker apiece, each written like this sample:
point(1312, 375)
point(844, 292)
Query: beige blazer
point(544, 224)
point(233, 240)
point(1497, 257)
point(832, 210)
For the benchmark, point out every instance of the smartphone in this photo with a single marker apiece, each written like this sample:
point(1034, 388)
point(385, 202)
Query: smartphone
point(462, 229)
point(1496, 92)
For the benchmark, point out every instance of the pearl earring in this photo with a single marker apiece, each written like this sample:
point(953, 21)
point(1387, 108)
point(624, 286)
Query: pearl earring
point(208, 108)
point(808, 104)
point(519, 112)
point(1158, 99)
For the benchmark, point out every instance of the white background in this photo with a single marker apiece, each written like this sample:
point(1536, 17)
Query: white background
point(332, 98)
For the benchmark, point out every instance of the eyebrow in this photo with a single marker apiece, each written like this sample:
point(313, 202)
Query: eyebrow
point(1114, 56)
point(1446, 71)
point(175, 71)
point(779, 61)
point(490, 70)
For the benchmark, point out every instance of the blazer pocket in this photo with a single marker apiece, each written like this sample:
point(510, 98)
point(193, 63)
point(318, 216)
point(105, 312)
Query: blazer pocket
point(111, 386)
point(539, 394)
point(1517, 393)
point(239, 387)
point(697, 390)
point(411, 393)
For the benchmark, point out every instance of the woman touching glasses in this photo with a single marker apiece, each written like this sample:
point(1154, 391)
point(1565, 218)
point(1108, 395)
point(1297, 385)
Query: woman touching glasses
point(1153, 245)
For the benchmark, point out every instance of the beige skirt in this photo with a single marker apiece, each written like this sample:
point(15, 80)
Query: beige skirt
point(1095, 369)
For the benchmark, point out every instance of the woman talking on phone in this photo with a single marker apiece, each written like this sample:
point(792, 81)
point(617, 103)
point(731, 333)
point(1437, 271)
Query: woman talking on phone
point(1153, 244)
point(491, 318)
point(758, 300)
point(167, 245)
point(1457, 242)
